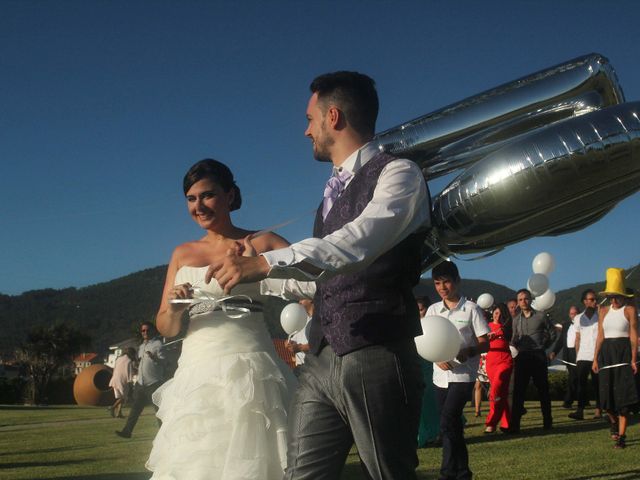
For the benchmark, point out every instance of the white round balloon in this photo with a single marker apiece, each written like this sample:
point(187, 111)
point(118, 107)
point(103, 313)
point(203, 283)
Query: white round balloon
point(485, 301)
point(293, 318)
point(543, 263)
point(537, 284)
point(544, 301)
point(440, 341)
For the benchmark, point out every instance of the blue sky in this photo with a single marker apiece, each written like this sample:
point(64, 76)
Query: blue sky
point(106, 104)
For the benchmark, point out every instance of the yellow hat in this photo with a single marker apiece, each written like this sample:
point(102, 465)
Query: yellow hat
point(615, 283)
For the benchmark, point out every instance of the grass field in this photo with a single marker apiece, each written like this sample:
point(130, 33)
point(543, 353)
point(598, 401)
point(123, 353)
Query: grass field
point(74, 443)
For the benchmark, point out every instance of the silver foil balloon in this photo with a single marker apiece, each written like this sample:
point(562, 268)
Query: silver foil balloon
point(462, 133)
point(551, 181)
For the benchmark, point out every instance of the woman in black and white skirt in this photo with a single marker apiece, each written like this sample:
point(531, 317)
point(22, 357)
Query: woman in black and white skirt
point(615, 355)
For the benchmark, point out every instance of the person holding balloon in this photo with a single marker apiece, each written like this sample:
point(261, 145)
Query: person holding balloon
point(532, 334)
point(298, 343)
point(454, 379)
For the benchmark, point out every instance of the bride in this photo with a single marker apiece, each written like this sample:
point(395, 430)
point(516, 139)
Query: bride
point(224, 412)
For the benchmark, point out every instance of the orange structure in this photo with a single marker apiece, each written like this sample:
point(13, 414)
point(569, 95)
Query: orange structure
point(91, 387)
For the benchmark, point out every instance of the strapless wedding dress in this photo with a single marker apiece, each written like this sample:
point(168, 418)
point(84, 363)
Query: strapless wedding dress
point(224, 411)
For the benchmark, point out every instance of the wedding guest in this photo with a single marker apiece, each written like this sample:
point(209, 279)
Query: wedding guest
point(586, 325)
point(454, 380)
point(150, 375)
point(532, 334)
point(565, 349)
point(121, 381)
point(299, 342)
point(616, 354)
point(499, 368)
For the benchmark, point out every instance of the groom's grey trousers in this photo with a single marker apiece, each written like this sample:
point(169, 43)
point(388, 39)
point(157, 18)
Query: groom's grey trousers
point(372, 397)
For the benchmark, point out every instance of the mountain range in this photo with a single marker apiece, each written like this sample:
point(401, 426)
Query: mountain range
point(112, 311)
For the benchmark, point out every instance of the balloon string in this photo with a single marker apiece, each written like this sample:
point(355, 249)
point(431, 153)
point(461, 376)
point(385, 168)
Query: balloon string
point(569, 363)
point(436, 250)
point(282, 224)
point(615, 366)
point(479, 257)
point(446, 255)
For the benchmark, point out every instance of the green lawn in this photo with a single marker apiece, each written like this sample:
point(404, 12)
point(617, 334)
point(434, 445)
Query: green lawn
point(73, 443)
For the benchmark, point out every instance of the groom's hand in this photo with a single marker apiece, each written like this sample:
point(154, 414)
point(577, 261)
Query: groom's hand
point(234, 269)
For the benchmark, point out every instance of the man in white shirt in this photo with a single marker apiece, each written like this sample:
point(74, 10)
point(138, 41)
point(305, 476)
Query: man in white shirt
point(361, 381)
point(586, 325)
point(151, 366)
point(454, 380)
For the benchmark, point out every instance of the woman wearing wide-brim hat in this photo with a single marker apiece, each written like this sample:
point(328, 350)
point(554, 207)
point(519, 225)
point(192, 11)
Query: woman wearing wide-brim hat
point(615, 355)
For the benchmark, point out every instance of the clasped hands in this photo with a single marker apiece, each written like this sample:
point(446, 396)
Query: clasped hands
point(239, 265)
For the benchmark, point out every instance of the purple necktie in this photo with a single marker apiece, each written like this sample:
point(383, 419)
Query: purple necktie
point(333, 189)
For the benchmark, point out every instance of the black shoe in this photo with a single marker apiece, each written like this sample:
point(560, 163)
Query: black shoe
point(123, 434)
point(620, 442)
point(547, 426)
point(577, 415)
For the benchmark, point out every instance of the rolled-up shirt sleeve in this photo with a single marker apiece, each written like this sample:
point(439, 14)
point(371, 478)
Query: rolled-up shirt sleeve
point(399, 207)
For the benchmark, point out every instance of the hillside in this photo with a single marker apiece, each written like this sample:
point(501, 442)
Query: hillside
point(110, 312)
point(470, 288)
point(571, 296)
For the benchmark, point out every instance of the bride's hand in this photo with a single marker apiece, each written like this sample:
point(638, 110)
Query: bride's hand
point(180, 292)
point(249, 250)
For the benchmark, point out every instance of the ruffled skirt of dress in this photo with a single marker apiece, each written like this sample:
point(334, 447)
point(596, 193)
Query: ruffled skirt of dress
point(224, 412)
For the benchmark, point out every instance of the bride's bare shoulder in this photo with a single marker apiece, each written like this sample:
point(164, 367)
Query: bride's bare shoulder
point(269, 241)
point(189, 252)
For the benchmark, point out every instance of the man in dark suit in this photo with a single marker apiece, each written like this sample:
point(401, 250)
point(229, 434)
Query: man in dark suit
point(361, 381)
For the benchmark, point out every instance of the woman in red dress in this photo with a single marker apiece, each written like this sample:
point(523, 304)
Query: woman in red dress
point(499, 368)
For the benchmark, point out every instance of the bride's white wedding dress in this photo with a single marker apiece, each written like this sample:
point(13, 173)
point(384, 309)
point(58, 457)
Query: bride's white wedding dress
point(224, 411)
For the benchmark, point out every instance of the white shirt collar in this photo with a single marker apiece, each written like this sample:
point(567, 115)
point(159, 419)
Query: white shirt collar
point(358, 159)
point(459, 306)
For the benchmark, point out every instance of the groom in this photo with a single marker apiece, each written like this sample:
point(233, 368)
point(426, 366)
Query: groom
point(361, 381)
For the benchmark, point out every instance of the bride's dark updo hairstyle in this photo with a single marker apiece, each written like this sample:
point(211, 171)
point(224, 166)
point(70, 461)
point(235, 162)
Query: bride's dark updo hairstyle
point(217, 172)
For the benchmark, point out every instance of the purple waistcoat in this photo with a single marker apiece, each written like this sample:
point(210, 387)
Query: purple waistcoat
point(374, 305)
